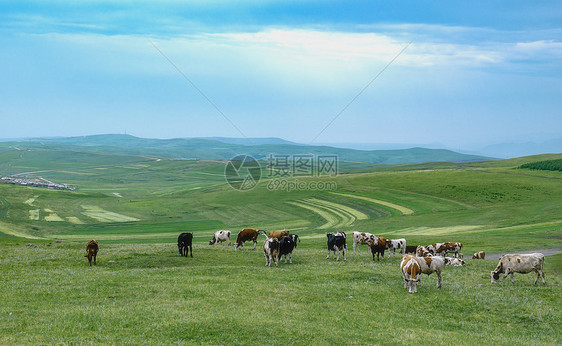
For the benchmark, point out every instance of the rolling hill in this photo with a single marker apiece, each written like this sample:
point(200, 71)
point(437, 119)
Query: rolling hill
point(225, 149)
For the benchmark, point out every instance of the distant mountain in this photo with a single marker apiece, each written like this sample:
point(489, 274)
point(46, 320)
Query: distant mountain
point(250, 141)
point(518, 149)
point(208, 149)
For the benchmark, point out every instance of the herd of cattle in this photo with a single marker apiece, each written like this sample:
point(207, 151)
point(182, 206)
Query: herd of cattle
point(416, 260)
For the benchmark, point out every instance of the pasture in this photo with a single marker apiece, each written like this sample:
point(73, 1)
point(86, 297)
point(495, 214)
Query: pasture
point(142, 291)
point(148, 294)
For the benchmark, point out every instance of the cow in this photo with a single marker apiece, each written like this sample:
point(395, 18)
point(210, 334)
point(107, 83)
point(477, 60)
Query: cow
point(454, 262)
point(432, 264)
point(271, 251)
point(245, 235)
point(378, 246)
point(92, 248)
point(220, 237)
point(442, 249)
point(422, 251)
point(286, 246)
point(411, 248)
point(278, 234)
point(295, 238)
point(336, 242)
point(394, 244)
point(361, 238)
point(411, 272)
point(185, 241)
point(516, 263)
point(479, 255)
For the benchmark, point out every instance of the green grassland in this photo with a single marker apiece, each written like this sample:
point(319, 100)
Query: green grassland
point(142, 291)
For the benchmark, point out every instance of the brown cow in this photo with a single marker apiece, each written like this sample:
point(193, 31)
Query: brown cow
point(479, 255)
point(378, 246)
point(245, 235)
point(278, 234)
point(92, 248)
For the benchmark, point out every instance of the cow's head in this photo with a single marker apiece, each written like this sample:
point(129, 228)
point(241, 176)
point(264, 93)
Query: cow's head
point(495, 276)
point(213, 241)
point(237, 245)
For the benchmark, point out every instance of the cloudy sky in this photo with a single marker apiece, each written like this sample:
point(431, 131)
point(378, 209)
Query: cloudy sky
point(463, 74)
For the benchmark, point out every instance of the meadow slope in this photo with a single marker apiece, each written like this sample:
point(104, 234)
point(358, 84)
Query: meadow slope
point(142, 291)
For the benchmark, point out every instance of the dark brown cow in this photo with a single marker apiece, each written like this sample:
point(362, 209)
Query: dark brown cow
point(92, 248)
point(245, 235)
point(411, 248)
point(378, 246)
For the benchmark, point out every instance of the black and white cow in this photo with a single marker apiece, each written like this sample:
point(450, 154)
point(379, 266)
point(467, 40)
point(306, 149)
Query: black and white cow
point(336, 242)
point(295, 239)
point(185, 241)
point(220, 237)
point(394, 244)
point(286, 246)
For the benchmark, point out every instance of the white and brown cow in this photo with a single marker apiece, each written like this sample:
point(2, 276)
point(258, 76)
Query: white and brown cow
point(271, 251)
point(479, 255)
point(516, 263)
point(422, 251)
point(245, 235)
point(361, 238)
point(394, 244)
point(411, 272)
point(220, 237)
point(442, 249)
point(454, 262)
point(432, 264)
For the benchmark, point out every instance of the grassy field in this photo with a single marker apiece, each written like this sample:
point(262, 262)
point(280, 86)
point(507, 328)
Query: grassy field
point(143, 292)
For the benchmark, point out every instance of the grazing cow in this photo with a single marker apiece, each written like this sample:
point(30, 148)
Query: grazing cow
point(185, 241)
point(245, 235)
point(411, 248)
point(295, 239)
point(479, 255)
point(220, 237)
point(454, 262)
point(433, 264)
point(516, 263)
point(286, 246)
point(394, 244)
point(422, 251)
point(271, 251)
point(278, 234)
point(378, 246)
point(336, 242)
point(92, 249)
point(411, 272)
point(442, 249)
point(461, 255)
point(361, 238)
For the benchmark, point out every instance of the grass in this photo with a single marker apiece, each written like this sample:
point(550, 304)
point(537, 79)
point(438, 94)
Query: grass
point(148, 294)
point(142, 291)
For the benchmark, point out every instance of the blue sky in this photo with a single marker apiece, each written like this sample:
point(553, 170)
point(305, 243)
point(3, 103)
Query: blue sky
point(475, 73)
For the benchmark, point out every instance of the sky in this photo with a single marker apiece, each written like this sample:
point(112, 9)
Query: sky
point(462, 74)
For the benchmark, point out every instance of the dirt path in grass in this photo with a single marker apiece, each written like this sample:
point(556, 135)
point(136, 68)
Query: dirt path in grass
point(546, 252)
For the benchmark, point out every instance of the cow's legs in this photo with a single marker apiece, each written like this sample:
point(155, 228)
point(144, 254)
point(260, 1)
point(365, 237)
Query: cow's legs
point(328, 257)
point(191, 250)
point(290, 258)
point(438, 279)
point(542, 275)
point(345, 253)
point(255, 242)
